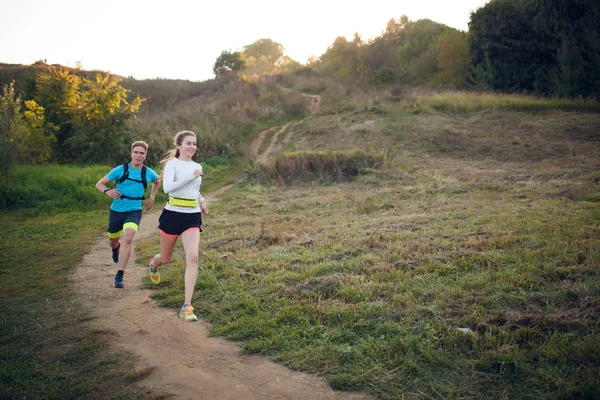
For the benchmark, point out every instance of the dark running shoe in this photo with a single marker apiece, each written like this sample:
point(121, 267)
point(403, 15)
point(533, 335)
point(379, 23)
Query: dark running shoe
point(115, 253)
point(119, 282)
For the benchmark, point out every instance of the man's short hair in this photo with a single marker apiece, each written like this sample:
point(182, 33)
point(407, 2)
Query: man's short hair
point(140, 143)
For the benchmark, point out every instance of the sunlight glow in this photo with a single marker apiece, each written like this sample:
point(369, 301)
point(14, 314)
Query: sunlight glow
point(182, 40)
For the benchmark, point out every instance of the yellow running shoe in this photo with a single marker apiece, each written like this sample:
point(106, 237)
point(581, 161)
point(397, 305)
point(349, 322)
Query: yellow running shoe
point(154, 275)
point(187, 313)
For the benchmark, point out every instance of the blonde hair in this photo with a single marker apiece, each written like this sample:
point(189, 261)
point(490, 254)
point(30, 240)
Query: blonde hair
point(174, 153)
point(140, 143)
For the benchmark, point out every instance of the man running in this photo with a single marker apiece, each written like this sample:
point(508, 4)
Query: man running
point(126, 209)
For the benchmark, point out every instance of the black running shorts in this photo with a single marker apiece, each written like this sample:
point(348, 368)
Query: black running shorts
point(175, 223)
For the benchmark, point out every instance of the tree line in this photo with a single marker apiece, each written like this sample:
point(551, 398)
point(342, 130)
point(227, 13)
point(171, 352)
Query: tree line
point(544, 47)
point(263, 57)
point(548, 47)
point(63, 117)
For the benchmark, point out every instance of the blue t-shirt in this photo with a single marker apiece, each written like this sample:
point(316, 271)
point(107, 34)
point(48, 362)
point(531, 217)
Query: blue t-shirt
point(130, 188)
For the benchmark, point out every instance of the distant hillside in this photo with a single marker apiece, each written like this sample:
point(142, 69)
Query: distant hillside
point(164, 94)
point(24, 75)
point(159, 94)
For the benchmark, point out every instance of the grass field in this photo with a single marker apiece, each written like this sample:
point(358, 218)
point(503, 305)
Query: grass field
point(47, 348)
point(465, 267)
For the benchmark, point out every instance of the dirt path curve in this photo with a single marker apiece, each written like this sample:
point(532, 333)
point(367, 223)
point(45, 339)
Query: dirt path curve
point(314, 104)
point(182, 360)
point(314, 99)
point(272, 145)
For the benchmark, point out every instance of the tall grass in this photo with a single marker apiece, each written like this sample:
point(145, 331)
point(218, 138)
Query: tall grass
point(464, 102)
point(315, 166)
point(37, 190)
point(52, 187)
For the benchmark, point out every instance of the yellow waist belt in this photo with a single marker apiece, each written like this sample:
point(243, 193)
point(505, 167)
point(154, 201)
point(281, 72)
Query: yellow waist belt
point(179, 202)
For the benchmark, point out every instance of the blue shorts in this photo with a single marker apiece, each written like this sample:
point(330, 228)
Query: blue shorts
point(174, 223)
point(117, 221)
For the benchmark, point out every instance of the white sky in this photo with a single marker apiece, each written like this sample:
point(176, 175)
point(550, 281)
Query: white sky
point(181, 39)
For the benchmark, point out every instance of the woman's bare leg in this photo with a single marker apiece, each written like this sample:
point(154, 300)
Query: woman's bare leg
point(167, 244)
point(191, 244)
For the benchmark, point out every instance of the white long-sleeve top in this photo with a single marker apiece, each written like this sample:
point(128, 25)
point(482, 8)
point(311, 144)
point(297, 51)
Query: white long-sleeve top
point(179, 181)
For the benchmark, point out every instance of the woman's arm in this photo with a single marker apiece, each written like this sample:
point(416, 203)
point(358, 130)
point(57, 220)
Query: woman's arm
point(169, 182)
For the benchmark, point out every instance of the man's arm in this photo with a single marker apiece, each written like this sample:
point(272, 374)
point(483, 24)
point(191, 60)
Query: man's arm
point(101, 184)
point(153, 192)
point(101, 187)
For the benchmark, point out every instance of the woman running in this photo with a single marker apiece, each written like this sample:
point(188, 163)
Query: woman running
point(181, 217)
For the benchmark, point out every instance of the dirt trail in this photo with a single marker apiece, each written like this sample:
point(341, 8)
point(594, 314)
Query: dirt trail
point(315, 99)
point(184, 362)
point(272, 145)
point(313, 106)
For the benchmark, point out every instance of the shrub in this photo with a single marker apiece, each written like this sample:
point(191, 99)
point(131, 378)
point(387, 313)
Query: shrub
point(322, 167)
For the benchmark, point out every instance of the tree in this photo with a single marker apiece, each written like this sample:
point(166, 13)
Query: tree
point(24, 136)
point(501, 37)
point(228, 62)
point(416, 52)
point(89, 116)
point(267, 49)
point(10, 115)
point(571, 30)
point(38, 137)
point(57, 91)
point(405, 52)
point(551, 47)
point(346, 60)
point(99, 119)
point(452, 58)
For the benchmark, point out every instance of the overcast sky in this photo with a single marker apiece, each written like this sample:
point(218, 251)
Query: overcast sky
point(181, 39)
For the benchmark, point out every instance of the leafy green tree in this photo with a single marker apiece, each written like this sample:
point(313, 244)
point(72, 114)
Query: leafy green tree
point(452, 58)
point(57, 92)
point(416, 53)
point(24, 135)
point(264, 57)
point(227, 62)
point(405, 52)
point(346, 60)
point(10, 115)
point(99, 120)
point(36, 143)
point(550, 47)
point(571, 30)
point(502, 33)
point(90, 116)
point(266, 49)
